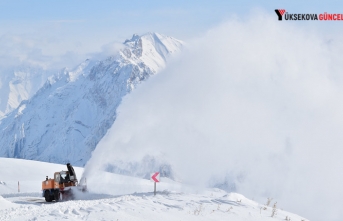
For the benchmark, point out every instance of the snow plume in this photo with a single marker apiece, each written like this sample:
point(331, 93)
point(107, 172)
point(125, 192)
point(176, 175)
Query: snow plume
point(253, 106)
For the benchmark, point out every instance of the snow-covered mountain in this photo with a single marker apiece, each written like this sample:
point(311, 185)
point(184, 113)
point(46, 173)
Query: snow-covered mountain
point(68, 116)
point(18, 84)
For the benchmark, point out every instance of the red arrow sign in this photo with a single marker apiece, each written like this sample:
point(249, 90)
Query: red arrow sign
point(156, 177)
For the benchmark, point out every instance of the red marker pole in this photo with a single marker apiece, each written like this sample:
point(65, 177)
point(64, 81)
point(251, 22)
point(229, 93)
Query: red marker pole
point(155, 177)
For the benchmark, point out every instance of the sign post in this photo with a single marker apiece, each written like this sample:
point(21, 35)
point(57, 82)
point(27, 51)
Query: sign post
point(155, 177)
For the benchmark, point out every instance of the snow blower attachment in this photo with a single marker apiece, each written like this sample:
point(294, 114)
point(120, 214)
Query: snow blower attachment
point(62, 185)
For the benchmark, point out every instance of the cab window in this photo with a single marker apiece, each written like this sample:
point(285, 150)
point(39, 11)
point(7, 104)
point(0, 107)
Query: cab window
point(57, 177)
point(64, 175)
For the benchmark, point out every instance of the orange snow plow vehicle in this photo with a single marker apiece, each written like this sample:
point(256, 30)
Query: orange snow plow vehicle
point(61, 187)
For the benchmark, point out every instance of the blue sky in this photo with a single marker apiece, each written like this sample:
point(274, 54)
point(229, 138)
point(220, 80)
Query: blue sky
point(75, 28)
point(179, 17)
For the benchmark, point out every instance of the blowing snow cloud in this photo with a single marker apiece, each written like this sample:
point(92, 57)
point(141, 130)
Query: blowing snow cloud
point(256, 104)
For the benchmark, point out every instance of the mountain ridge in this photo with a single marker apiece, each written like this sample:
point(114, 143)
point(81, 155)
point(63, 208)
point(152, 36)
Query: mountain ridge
point(72, 111)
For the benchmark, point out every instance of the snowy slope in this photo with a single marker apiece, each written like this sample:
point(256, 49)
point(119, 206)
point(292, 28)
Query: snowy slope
point(19, 84)
point(174, 201)
point(68, 116)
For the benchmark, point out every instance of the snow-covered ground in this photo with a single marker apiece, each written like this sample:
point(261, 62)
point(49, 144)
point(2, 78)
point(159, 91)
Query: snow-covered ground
point(118, 197)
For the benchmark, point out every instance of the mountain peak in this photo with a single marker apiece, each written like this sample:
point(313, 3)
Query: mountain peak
point(134, 38)
point(151, 48)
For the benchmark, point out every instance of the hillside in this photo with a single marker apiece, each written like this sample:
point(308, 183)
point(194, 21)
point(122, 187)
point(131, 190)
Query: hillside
point(121, 198)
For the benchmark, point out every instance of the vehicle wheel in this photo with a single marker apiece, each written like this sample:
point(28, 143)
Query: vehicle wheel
point(47, 196)
point(57, 196)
